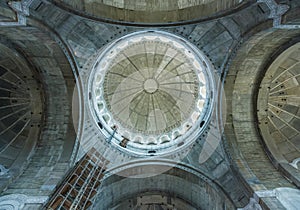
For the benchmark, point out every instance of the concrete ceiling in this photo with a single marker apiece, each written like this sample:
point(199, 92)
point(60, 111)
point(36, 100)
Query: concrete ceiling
point(152, 11)
point(61, 44)
point(278, 109)
point(20, 108)
point(242, 86)
point(175, 189)
point(35, 74)
point(152, 86)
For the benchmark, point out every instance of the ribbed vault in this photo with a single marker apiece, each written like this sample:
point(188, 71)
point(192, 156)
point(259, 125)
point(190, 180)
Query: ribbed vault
point(35, 65)
point(20, 110)
point(241, 131)
point(278, 110)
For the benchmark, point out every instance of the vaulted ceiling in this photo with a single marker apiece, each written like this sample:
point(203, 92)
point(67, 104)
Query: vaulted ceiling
point(246, 155)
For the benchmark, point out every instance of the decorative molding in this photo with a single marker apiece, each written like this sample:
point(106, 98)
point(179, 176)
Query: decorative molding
point(295, 162)
point(21, 8)
point(263, 194)
point(18, 201)
point(252, 205)
point(288, 197)
point(3, 170)
point(276, 11)
point(287, 26)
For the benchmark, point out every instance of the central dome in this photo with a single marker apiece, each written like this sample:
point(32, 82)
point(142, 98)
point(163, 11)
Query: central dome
point(151, 89)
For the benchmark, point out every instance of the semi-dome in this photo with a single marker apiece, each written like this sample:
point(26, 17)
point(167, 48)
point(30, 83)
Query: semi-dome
point(145, 11)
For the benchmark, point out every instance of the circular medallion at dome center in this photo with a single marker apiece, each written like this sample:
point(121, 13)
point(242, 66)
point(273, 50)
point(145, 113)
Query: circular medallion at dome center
point(151, 87)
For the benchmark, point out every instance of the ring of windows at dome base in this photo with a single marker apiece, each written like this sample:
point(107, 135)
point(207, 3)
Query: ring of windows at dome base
point(151, 92)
